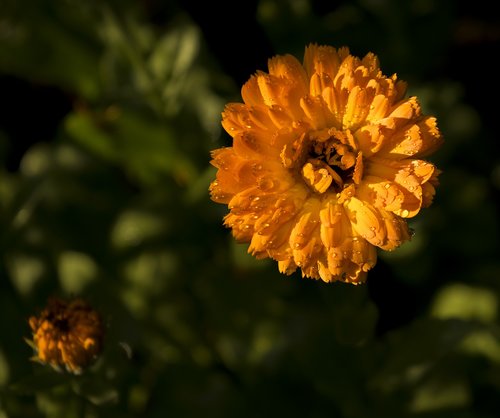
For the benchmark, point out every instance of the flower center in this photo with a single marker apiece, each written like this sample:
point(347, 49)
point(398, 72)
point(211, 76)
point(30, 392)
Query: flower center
point(62, 324)
point(326, 159)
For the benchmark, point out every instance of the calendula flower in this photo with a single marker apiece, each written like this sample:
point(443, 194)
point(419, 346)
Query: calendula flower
point(326, 163)
point(67, 335)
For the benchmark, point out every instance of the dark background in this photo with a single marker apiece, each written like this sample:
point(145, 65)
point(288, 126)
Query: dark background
point(108, 111)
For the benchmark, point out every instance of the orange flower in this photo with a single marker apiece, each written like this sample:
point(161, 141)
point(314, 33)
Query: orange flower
point(326, 163)
point(67, 334)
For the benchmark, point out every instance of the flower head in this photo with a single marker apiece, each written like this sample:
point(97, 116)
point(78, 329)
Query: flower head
point(326, 163)
point(67, 335)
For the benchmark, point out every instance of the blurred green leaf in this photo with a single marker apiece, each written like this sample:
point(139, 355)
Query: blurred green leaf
point(46, 35)
point(76, 271)
point(144, 147)
point(43, 380)
point(441, 395)
point(465, 302)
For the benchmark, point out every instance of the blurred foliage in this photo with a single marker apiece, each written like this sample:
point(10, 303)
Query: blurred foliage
point(109, 111)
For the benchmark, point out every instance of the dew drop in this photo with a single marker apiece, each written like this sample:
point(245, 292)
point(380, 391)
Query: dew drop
point(257, 167)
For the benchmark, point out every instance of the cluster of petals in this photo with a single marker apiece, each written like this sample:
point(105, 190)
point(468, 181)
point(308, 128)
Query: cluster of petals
point(67, 335)
point(326, 163)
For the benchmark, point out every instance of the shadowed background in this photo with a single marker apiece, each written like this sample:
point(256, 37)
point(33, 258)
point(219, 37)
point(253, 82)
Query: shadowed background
point(108, 113)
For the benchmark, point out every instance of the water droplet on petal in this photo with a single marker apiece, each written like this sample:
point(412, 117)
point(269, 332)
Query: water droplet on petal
point(257, 167)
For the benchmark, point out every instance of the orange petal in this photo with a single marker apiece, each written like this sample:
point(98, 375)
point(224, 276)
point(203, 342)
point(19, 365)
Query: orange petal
point(333, 218)
point(323, 59)
point(287, 66)
point(365, 220)
point(316, 110)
